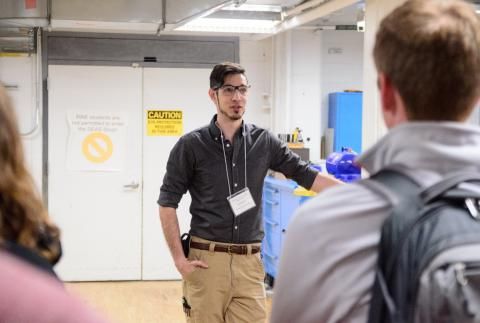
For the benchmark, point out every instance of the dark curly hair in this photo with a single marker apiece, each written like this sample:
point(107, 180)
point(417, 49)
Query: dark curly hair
point(220, 71)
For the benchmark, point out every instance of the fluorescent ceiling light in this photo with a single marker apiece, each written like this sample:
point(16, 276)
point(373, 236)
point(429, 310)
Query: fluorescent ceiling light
point(254, 26)
point(244, 18)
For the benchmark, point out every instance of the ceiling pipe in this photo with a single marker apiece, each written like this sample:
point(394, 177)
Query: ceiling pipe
point(37, 84)
point(304, 6)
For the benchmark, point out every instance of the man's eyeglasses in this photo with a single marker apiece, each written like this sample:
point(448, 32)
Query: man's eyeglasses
point(229, 90)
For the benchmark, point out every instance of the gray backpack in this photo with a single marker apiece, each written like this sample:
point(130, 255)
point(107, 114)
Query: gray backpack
point(428, 266)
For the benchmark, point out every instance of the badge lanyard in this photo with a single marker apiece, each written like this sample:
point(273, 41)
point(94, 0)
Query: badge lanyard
point(242, 200)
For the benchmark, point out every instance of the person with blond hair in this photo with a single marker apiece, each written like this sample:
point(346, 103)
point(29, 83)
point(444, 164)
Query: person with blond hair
point(25, 227)
point(427, 54)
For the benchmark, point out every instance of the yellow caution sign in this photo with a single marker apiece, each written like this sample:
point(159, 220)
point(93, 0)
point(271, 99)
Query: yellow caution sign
point(164, 123)
point(97, 147)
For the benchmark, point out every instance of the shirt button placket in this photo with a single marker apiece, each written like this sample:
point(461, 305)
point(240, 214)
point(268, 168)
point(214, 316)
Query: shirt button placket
point(235, 175)
point(236, 232)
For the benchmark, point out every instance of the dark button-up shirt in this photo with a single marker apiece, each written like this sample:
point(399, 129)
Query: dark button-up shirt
point(197, 164)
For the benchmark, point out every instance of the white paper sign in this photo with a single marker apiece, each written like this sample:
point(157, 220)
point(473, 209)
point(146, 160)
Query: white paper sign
point(96, 141)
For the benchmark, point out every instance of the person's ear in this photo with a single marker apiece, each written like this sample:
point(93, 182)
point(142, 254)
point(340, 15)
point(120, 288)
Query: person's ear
point(393, 109)
point(387, 96)
point(213, 95)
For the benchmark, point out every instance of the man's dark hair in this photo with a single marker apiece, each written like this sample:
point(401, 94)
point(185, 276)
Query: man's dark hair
point(220, 71)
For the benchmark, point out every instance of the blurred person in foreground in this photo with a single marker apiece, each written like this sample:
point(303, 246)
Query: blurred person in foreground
point(31, 295)
point(25, 228)
point(427, 55)
point(29, 242)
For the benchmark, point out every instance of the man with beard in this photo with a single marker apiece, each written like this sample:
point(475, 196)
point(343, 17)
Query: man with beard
point(223, 166)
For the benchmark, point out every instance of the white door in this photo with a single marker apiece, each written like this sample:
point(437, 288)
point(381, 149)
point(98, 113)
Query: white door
point(95, 170)
point(168, 89)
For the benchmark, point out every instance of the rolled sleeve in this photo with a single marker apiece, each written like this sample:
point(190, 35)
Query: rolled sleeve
point(169, 199)
point(178, 176)
point(290, 164)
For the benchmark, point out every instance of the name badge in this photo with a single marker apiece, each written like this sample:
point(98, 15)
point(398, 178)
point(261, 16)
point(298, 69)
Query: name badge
point(241, 201)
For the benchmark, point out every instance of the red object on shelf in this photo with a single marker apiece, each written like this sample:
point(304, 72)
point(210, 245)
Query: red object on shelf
point(30, 4)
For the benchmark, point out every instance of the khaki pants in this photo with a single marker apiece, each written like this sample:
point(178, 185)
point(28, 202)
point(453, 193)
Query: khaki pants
point(231, 290)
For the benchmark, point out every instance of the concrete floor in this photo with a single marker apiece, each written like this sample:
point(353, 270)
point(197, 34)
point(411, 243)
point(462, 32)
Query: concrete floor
point(136, 301)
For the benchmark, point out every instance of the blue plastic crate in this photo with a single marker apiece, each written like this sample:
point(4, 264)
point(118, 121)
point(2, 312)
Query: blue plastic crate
point(278, 205)
point(270, 264)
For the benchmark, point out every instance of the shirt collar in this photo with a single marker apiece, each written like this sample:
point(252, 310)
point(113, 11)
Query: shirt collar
point(215, 130)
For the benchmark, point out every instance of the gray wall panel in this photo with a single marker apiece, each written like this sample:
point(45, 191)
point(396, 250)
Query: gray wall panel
point(168, 51)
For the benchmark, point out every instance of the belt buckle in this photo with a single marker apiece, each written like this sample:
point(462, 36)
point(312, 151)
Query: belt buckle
point(229, 249)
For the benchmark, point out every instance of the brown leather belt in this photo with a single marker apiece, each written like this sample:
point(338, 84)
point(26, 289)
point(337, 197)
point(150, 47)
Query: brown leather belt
point(236, 249)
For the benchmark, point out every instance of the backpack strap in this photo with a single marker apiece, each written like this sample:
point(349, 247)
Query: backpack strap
point(396, 186)
point(400, 189)
point(380, 297)
point(450, 181)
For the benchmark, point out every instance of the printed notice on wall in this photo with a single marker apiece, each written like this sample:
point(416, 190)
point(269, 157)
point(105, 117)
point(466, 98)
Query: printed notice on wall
point(164, 123)
point(96, 141)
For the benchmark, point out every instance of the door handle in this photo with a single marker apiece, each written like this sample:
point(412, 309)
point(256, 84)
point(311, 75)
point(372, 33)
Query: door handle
point(131, 186)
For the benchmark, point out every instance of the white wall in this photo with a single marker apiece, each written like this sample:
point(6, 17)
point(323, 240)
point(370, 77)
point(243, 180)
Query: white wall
point(256, 58)
point(296, 82)
point(373, 126)
point(307, 66)
point(305, 87)
point(342, 65)
point(281, 79)
point(21, 71)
